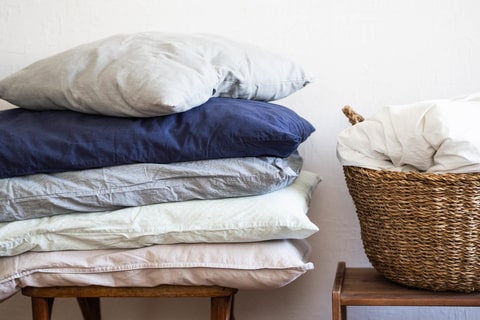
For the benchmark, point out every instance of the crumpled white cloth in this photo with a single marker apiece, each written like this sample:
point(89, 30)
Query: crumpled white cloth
point(431, 136)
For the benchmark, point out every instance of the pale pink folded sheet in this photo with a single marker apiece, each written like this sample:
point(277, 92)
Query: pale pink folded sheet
point(256, 265)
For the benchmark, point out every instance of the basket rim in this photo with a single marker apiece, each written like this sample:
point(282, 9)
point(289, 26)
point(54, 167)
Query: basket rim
point(416, 175)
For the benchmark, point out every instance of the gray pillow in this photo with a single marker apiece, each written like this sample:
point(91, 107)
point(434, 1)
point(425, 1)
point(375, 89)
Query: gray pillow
point(152, 74)
point(110, 188)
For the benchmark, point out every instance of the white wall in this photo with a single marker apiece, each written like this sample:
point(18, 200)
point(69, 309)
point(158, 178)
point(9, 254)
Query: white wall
point(367, 53)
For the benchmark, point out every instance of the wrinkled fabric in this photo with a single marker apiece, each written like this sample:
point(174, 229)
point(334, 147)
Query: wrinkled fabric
point(110, 188)
point(428, 136)
point(152, 74)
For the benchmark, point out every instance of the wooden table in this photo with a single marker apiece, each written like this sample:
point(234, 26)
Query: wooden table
point(366, 287)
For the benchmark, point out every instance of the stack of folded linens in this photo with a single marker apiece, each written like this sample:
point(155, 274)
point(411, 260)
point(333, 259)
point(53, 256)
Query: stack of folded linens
point(154, 158)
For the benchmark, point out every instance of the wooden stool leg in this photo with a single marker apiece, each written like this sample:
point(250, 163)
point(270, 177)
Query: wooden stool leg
point(232, 316)
point(42, 308)
point(90, 308)
point(221, 308)
point(339, 311)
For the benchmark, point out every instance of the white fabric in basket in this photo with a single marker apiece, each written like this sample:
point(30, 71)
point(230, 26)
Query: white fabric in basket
point(432, 136)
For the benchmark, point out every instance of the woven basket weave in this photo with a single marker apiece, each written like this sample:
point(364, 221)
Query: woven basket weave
point(419, 229)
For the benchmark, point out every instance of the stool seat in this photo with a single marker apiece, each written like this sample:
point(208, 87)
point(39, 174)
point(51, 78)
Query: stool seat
point(367, 287)
point(221, 298)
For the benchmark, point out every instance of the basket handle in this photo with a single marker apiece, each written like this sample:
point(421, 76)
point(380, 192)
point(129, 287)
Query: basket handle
point(352, 116)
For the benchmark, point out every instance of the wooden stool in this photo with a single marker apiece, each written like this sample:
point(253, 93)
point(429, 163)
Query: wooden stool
point(221, 298)
point(367, 287)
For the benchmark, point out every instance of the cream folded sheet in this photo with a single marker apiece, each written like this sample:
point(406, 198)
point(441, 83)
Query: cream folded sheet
point(431, 136)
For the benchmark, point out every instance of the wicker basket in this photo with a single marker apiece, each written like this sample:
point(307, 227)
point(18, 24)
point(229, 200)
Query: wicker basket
point(419, 229)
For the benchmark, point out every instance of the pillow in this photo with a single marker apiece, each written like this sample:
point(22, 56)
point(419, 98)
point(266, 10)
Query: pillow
point(110, 188)
point(277, 215)
point(151, 74)
point(55, 141)
point(256, 265)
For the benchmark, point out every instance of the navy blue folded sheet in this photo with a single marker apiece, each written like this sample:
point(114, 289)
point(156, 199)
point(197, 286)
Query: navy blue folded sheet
point(55, 141)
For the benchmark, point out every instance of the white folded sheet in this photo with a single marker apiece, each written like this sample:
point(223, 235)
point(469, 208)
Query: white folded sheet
point(431, 136)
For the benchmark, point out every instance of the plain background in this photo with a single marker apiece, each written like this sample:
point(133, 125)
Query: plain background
point(366, 53)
